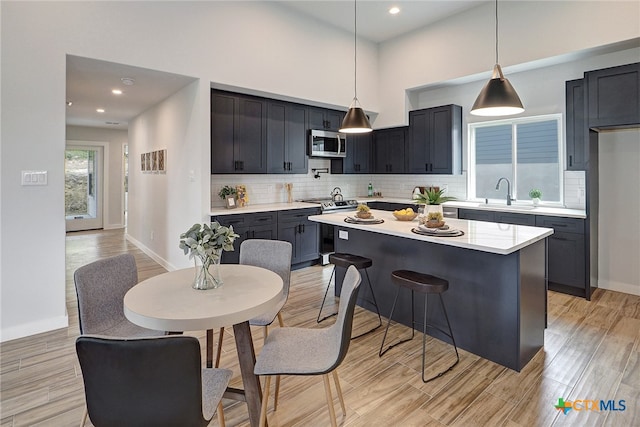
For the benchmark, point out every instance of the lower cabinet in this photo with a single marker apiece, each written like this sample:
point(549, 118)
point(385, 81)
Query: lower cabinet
point(304, 235)
point(566, 248)
point(262, 225)
point(289, 225)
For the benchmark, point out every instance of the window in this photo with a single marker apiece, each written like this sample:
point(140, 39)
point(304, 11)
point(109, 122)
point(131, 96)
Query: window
point(526, 151)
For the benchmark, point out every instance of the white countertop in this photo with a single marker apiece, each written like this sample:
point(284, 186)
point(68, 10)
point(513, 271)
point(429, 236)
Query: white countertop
point(478, 235)
point(265, 207)
point(496, 207)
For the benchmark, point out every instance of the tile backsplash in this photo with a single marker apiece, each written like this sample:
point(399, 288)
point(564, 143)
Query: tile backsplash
point(270, 188)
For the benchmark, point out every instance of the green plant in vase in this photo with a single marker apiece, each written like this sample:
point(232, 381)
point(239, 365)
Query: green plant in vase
point(433, 199)
point(535, 195)
point(205, 243)
point(226, 191)
point(363, 211)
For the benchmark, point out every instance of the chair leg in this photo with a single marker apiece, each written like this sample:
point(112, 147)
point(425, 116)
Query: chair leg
point(318, 320)
point(375, 304)
point(221, 415)
point(395, 300)
point(327, 389)
point(265, 401)
point(339, 391)
point(265, 334)
point(280, 321)
point(277, 393)
point(84, 417)
point(219, 350)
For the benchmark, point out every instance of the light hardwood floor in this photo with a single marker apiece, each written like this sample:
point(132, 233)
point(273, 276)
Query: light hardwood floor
point(592, 351)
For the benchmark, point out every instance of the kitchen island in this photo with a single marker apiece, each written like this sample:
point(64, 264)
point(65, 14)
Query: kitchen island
point(496, 299)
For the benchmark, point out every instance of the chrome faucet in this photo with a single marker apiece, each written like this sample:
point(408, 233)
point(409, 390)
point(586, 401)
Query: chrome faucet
point(336, 193)
point(509, 199)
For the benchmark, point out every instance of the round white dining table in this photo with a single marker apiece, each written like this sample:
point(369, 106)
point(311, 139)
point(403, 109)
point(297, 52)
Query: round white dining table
point(167, 302)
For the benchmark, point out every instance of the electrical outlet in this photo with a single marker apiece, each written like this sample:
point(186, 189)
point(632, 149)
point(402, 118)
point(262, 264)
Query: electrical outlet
point(343, 234)
point(151, 235)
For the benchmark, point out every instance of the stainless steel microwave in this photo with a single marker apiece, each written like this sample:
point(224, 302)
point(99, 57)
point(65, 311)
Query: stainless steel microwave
point(325, 143)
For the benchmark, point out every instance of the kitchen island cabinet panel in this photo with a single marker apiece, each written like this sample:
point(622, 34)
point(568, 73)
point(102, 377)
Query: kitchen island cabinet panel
point(496, 303)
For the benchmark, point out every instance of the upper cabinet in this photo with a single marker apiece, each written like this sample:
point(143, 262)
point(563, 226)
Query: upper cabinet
point(238, 133)
point(434, 144)
point(286, 138)
point(321, 118)
point(614, 96)
point(388, 150)
point(576, 114)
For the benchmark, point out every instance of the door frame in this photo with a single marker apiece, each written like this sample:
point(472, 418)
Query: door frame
point(102, 181)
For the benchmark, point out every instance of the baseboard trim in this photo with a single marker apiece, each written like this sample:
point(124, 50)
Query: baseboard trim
point(626, 288)
point(33, 328)
point(157, 258)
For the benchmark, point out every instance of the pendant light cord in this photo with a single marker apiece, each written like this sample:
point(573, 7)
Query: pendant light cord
point(497, 62)
point(355, 51)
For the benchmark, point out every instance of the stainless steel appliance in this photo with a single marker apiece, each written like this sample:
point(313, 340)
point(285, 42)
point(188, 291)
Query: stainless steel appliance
point(324, 143)
point(327, 237)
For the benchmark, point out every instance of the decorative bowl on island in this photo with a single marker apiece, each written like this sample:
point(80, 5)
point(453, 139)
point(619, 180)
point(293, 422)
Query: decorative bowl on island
point(405, 214)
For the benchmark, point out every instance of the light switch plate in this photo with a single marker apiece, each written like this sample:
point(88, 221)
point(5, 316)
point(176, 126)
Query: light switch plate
point(343, 234)
point(34, 177)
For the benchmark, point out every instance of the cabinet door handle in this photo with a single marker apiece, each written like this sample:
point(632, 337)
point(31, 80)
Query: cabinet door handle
point(559, 238)
point(303, 228)
point(558, 225)
point(235, 165)
point(570, 160)
point(242, 165)
point(426, 167)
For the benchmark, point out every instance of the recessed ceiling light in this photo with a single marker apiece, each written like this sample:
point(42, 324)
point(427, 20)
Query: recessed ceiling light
point(100, 110)
point(116, 92)
point(394, 10)
point(112, 123)
point(127, 81)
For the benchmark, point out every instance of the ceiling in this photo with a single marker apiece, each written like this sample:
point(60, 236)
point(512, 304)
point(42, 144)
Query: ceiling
point(374, 20)
point(90, 81)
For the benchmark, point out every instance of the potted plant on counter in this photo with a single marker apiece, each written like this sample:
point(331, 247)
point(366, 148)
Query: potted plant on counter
point(228, 192)
point(363, 211)
point(535, 195)
point(432, 198)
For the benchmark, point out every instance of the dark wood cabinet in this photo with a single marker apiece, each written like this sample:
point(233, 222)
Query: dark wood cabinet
point(262, 225)
point(476, 215)
point(388, 150)
point(322, 118)
point(434, 145)
point(614, 96)
point(576, 123)
point(238, 134)
point(286, 138)
point(358, 159)
point(567, 255)
point(304, 235)
point(514, 218)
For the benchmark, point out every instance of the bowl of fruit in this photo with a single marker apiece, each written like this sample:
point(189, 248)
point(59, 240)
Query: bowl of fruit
point(407, 214)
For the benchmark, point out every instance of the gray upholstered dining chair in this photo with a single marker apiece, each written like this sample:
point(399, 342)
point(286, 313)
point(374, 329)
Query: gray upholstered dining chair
point(100, 288)
point(157, 381)
point(274, 255)
point(304, 351)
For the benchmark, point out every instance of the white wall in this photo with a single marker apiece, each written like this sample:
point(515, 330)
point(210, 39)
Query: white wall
point(115, 139)
point(464, 45)
point(255, 45)
point(619, 211)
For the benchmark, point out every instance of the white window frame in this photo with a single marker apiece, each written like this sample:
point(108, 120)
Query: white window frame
point(471, 166)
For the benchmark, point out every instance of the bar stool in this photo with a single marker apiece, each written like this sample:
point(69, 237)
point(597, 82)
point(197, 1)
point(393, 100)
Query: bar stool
point(361, 263)
point(426, 284)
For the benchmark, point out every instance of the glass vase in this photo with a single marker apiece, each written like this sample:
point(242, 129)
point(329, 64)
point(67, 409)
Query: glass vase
point(208, 272)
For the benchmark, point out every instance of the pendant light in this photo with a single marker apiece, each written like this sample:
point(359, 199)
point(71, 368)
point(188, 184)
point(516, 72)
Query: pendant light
point(498, 97)
point(355, 121)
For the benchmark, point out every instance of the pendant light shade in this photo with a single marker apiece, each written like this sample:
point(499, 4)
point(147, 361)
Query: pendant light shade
point(497, 97)
point(355, 121)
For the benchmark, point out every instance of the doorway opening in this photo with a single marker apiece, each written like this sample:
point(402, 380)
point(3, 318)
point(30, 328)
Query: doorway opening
point(83, 187)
